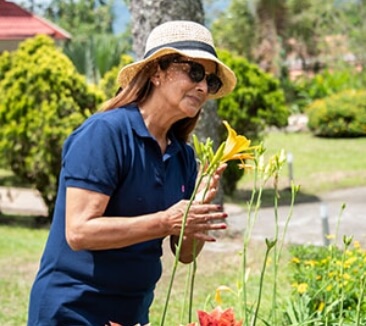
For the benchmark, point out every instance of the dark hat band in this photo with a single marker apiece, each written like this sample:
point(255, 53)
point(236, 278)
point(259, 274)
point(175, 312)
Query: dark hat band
point(184, 45)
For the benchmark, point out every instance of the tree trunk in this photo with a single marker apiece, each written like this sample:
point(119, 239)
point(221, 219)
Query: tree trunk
point(271, 21)
point(145, 15)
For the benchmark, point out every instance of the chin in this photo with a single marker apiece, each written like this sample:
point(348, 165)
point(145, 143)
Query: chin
point(191, 111)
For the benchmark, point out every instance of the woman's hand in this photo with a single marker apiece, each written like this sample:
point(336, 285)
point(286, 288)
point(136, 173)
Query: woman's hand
point(201, 218)
point(206, 196)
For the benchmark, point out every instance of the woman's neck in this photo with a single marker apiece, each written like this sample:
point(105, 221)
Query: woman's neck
point(157, 123)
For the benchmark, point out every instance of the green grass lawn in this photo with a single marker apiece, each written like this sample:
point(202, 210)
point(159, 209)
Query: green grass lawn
point(20, 250)
point(318, 165)
point(321, 164)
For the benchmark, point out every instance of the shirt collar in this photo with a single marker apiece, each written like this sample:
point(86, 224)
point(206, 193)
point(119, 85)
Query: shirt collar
point(136, 121)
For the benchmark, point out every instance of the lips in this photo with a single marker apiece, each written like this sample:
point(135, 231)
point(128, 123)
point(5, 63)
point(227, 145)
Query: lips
point(197, 99)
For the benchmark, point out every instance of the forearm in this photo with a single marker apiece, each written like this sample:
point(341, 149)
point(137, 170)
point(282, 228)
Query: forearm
point(88, 228)
point(103, 233)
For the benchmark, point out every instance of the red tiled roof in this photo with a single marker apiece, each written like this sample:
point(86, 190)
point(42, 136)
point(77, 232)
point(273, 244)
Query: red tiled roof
point(17, 23)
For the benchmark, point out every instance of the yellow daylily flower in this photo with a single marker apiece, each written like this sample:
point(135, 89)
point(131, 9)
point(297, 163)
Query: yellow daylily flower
point(235, 145)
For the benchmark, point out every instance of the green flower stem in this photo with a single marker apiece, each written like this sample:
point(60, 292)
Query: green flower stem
point(359, 303)
point(278, 254)
point(186, 289)
point(178, 250)
point(246, 239)
point(270, 245)
point(347, 241)
point(193, 276)
point(275, 265)
point(294, 190)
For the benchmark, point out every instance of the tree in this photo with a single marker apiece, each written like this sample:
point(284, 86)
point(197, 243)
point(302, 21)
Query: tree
point(82, 17)
point(146, 14)
point(94, 55)
point(233, 29)
point(94, 49)
point(43, 100)
point(354, 26)
point(253, 28)
point(271, 17)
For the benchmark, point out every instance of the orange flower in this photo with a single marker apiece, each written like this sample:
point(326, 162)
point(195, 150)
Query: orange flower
point(218, 317)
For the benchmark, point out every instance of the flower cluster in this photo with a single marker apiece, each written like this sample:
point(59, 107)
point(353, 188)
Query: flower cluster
point(332, 281)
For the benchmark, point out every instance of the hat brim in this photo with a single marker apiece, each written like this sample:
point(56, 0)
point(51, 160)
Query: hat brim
point(227, 76)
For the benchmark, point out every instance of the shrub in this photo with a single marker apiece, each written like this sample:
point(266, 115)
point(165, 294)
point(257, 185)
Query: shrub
point(109, 81)
point(5, 64)
point(339, 115)
point(304, 90)
point(43, 100)
point(258, 101)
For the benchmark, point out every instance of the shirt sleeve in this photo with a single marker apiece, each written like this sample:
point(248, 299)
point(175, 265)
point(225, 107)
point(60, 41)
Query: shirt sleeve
point(90, 158)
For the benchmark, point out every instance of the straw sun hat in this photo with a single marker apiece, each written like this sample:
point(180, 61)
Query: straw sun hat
point(186, 38)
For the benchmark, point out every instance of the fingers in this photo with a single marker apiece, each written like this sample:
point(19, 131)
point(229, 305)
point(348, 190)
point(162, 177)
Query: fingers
point(220, 170)
point(204, 220)
point(200, 219)
point(213, 185)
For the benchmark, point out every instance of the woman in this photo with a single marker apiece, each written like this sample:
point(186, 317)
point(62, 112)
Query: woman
point(126, 179)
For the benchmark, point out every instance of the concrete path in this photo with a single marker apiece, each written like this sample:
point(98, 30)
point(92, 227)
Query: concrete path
point(306, 225)
point(21, 201)
point(309, 221)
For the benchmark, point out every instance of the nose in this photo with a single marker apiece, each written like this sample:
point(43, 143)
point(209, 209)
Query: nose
point(202, 86)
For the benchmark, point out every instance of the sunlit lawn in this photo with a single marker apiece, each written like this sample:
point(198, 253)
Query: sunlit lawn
point(20, 249)
point(320, 164)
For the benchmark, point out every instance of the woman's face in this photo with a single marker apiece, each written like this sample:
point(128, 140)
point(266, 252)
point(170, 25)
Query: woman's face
point(180, 91)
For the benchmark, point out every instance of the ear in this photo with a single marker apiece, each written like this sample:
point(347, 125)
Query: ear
point(157, 76)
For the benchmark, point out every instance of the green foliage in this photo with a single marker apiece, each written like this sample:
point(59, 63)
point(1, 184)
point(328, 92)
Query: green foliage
point(82, 17)
point(43, 100)
point(233, 29)
point(257, 102)
point(339, 115)
point(329, 283)
point(94, 55)
point(5, 63)
point(109, 81)
point(304, 90)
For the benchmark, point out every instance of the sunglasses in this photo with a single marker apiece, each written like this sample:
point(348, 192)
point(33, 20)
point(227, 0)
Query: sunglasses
point(197, 73)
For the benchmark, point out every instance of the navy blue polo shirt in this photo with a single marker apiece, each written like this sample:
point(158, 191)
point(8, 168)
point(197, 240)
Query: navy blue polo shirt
point(112, 153)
